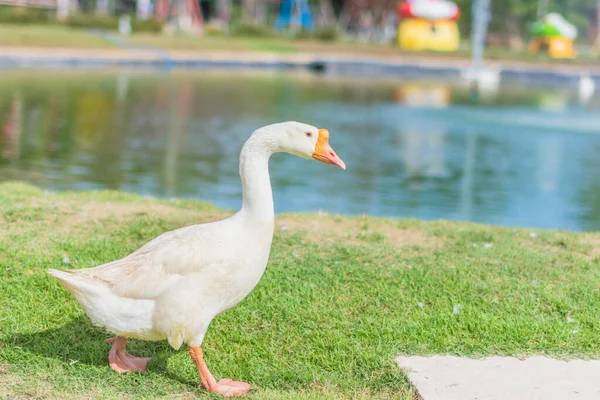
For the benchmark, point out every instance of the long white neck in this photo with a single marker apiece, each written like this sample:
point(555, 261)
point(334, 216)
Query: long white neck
point(256, 184)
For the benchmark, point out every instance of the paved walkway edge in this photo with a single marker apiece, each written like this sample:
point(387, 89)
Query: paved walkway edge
point(502, 378)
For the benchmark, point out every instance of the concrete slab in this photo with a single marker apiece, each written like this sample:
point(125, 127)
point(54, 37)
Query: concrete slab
point(502, 378)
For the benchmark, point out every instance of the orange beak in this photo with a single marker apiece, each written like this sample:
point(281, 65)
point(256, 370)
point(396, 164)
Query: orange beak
point(324, 152)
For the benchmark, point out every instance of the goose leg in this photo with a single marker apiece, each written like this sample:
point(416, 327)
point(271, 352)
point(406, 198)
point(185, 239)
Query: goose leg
point(225, 387)
point(121, 361)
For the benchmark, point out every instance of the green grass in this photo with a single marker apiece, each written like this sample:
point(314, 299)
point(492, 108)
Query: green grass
point(49, 36)
point(339, 300)
point(57, 36)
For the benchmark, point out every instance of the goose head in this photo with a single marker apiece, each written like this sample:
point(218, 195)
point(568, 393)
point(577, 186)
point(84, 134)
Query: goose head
point(301, 140)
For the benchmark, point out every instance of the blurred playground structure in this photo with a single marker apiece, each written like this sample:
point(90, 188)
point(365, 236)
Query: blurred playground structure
point(557, 28)
point(555, 35)
point(428, 25)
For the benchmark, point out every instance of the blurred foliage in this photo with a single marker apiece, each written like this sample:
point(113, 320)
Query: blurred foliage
point(148, 25)
point(252, 30)
point(20, 15)
point(82, 20)
point(111, 23)
point(515, 17)
point(327, 34)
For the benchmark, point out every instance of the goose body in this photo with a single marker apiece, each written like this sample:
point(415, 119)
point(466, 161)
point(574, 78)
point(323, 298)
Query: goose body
point(173, 286)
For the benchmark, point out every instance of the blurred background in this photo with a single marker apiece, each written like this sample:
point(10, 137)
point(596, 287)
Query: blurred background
point(481, 138)
point(513, 26)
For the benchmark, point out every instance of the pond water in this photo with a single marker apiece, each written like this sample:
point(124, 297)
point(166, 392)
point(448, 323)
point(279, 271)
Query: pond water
point(520, 156)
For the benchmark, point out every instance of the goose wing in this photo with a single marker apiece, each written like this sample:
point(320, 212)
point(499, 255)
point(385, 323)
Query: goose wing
point(160, 263)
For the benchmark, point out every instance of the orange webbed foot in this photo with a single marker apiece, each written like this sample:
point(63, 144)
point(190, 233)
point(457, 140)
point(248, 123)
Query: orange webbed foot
point(224, 387)
point(121, 361)
point(231, 388)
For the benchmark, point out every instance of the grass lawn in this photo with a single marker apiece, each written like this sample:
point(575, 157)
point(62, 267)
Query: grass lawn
point(48, 36)
point(57, 36)
point(340, 299)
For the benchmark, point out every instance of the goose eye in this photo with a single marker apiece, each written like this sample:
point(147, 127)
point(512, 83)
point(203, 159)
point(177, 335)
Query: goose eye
point(308, 134)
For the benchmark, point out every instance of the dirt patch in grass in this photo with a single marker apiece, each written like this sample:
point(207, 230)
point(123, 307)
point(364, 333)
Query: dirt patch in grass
point(97, 212)
point(52, 224)
point(560, 244)
point(11, 387)
point(552, 245)
point(322, 228)
point(67, 216)
point(593, 242)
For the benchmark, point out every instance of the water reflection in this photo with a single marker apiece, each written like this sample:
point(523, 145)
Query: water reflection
point(518, 156)
point(422, 150)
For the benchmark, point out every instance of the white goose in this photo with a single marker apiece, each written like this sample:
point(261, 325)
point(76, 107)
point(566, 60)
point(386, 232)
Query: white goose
point(173, 286)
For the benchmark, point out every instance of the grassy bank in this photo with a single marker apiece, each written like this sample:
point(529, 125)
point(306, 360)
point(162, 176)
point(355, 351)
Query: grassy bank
point(57, 36)
point(49, 36)
point(340, 298)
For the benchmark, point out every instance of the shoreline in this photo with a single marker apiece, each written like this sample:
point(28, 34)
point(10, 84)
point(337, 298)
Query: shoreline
point(338, 63)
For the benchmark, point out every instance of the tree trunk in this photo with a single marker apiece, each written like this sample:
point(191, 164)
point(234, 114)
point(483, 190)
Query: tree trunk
point(249, 11)
point(326, 16)
point(62, 10)
point(260, 13)
point(345, 17)
point(102, 7)
point(143, 9)
point(597, 41)
point(224, 13)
